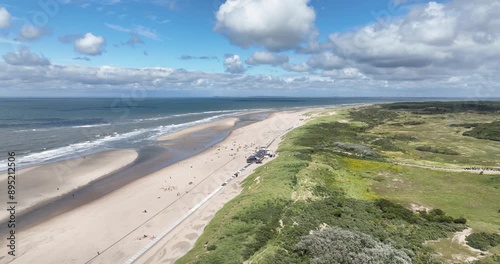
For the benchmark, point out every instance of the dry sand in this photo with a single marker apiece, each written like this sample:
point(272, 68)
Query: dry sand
point(115, 227)
point(40, 184)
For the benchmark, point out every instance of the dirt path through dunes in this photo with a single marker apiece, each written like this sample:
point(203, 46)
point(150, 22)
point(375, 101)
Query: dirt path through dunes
point(476, 171)
point(460, 238)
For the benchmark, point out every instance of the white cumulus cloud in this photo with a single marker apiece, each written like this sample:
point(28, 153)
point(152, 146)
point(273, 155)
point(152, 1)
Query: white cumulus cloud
point(326, 61)
point(301, 67)
point(90, 44)
point(264, 57)
point(431, 25)
point(5, 18)
point(273, 24)
point(24, 57)
point(433, 40)
point(30, 32)
point(64, 80)
point(233, 64)
point(346, 73)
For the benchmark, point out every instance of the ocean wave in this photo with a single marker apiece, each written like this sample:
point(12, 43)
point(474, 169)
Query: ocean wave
point(94, 125)
point(76, 149)
point(163, 130)
point(60, 127)
point(33, 130)
point(192, 114)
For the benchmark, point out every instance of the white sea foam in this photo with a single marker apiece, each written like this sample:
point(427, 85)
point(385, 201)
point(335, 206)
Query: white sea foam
point(59, 127)
point(75, 149)
point(95, 125)
point(192, 114)
point(162, 130)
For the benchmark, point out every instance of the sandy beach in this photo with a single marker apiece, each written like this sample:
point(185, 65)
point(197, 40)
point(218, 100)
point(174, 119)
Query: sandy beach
point(115, 227)
point(41, 184)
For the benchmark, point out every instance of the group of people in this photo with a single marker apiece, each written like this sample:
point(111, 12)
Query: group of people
point(481, 169)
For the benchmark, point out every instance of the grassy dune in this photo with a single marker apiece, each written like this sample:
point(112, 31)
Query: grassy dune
point(316, 183)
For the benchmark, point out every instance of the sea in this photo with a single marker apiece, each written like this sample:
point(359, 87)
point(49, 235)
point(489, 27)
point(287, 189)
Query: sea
point(43, 130)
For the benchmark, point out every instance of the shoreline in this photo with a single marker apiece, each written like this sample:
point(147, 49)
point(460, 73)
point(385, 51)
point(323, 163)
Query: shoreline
point(175, 185)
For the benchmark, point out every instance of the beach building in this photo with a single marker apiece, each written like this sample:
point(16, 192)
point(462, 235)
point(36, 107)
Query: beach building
point(259, 156)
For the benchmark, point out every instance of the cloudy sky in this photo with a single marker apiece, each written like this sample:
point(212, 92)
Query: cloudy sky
point(106, 48)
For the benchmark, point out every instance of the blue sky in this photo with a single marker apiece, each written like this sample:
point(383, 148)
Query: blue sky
point(249, 47)
point(182, 28)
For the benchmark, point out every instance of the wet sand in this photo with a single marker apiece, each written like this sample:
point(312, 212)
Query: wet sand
point(188, 133)
point(42, 184)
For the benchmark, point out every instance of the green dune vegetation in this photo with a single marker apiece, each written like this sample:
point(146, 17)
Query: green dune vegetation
point(360, 191)
point(489, 131)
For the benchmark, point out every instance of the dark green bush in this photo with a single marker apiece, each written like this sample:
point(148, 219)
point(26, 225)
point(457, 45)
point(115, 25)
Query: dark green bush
point(437, 211)
point(403, 137)
point(395, 211)
point(373, 116)
point(465, 125)
point(460, 220)
point(356, 149)
point(483, 241)
point(489, 131)
point(443, 151)
point(211, 247)
point(413, 123)
point(386, 144)
point(446, 107)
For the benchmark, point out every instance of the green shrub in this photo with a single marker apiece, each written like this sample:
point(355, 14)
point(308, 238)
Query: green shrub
point(403, 137)
point(465, 125)
point(356, 149)
point(395, 211)
point(430, 108)
point(439, 216)
point(443, 151)
point(483, 241)
point(373, 116)
point(413, 123)
point(437, 211)
point(211, 247)
point(386, 144)
point(489, 131)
